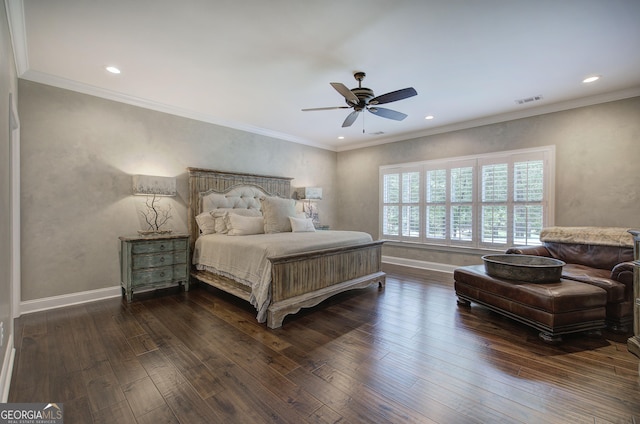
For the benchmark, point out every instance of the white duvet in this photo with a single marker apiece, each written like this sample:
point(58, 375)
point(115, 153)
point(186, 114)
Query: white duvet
point(244, 258)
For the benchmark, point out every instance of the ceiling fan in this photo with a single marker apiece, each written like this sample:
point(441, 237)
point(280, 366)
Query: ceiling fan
point(362, 98)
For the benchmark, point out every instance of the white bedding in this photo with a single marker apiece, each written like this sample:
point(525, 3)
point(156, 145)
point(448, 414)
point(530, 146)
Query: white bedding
point(244, 258)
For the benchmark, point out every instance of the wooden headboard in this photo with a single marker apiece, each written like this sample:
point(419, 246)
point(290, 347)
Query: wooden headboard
point(207, 181)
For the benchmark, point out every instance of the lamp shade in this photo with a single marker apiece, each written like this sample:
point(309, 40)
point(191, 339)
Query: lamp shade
point(150, 185)
point(309, 193)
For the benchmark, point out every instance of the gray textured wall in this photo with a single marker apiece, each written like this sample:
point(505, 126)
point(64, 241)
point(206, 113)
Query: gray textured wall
point(79, 152)
point(597, 174)
point(78, 155)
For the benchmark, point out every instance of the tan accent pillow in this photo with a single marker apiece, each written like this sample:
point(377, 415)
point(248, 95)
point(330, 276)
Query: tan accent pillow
point(206, 223)
point(276, 212)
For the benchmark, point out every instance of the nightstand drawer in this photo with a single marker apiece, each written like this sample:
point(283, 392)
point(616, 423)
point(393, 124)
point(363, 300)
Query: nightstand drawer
point(158, 246)
point(157, 275)
point(161, 259)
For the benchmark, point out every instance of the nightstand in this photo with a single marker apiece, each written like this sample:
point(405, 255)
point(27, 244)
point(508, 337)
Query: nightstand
point(151, 262)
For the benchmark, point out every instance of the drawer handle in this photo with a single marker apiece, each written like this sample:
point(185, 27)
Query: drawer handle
point(162, 274)
point(162, 259)
point(162, 247)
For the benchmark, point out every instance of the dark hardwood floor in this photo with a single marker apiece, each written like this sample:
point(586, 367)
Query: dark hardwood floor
point(406, 353)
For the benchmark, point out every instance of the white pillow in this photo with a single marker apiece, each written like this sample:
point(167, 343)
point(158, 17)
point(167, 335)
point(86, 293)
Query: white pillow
point(302, 225)
point(221, 217)
point(276, 213)
point(245, 225)
point(206, 223)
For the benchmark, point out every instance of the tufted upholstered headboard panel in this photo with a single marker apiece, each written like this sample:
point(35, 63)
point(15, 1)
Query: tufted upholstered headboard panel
point(210, 189)
point(239, 197)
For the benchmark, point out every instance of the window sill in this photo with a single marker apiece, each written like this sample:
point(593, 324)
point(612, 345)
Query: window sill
point(445, 248)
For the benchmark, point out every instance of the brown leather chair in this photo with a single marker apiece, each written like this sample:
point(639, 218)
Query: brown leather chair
point(594, 255)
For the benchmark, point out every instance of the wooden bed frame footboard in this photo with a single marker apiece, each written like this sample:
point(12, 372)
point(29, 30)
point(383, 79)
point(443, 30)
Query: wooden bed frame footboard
point(306, 279)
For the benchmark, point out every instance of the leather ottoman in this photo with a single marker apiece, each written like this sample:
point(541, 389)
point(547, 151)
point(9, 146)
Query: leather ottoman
point(556, 308)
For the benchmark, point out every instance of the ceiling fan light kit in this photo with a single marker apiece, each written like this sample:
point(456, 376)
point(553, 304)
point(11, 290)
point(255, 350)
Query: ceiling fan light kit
point(363, 98)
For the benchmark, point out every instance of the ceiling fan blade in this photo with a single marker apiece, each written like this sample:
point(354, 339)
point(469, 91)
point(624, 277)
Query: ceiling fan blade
point(388, 113)
point(350, 119)
point(394, 96)
point(346, 93)
point(326, 108)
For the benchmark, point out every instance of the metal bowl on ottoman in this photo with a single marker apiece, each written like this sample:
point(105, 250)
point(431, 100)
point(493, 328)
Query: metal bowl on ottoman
point(529, 268)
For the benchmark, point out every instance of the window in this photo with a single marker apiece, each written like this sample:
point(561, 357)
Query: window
point(488, 201)
point(401, 204)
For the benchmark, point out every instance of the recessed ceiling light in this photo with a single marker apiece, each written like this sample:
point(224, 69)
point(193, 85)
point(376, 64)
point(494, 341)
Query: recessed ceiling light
point(113, 69)
point(429, 117)
point(341, 137)
point(591, 79)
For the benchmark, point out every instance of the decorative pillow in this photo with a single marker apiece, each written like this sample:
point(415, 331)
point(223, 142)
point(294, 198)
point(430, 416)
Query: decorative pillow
point(206, 223)
point(221, 217)
point(221, 223)
point(245, 225)
point(276, 213)
point(301, 225)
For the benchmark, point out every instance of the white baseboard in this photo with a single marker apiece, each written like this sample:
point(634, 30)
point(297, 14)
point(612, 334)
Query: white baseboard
point(54, 302)
point(36, 305)
point(7, 370)
point(413, 263)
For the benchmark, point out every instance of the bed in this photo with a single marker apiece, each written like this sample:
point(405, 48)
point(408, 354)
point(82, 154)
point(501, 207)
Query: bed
point(337, 262)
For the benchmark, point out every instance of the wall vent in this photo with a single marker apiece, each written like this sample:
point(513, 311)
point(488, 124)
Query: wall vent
point(528, 100)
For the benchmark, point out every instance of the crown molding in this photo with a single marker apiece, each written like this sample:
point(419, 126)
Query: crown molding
point(17, 29)
point(510, 116)
point(18, 33)
point(48, 79)
point(55, 81)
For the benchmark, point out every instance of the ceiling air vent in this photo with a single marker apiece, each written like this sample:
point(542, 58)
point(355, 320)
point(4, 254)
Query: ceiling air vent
point(377, 133)
point(528, 100)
